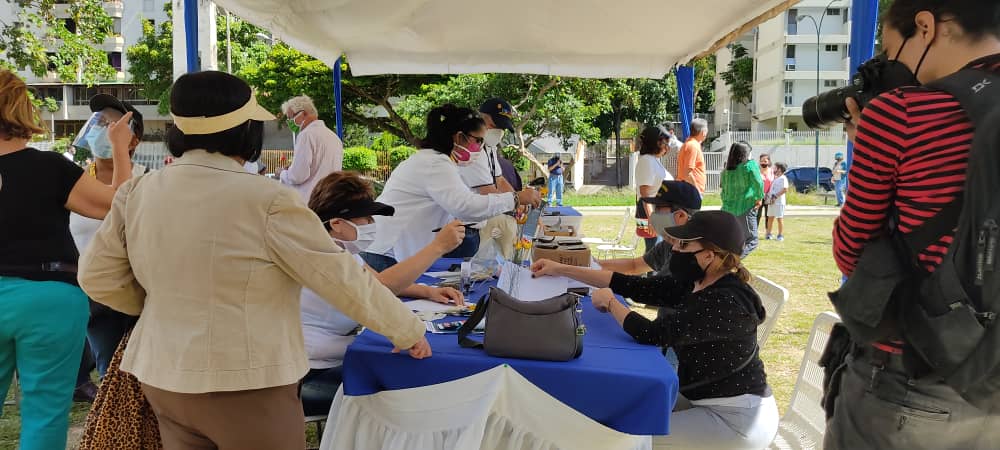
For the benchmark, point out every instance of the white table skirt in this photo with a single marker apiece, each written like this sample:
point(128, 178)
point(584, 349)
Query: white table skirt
point(493, 410)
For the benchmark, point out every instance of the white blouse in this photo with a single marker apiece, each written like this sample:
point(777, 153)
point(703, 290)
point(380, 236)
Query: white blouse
point(428, 192)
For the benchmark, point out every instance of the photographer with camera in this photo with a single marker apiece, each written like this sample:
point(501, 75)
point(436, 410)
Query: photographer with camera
point(921, 372)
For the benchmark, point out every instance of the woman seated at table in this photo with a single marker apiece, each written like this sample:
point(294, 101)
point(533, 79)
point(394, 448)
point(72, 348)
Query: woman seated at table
point(428, 192)
point(713, 329)
point(346, 204)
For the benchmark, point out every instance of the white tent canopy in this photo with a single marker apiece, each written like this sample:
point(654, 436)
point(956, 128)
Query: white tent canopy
point(585, 38)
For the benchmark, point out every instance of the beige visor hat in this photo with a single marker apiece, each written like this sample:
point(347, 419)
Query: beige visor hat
point(215, 124)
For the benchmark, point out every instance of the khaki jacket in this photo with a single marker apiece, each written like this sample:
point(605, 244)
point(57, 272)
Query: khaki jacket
point(213, 260)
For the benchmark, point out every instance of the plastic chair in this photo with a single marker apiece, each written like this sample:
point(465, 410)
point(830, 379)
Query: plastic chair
point(804, 424)
point(613, 250)
point(618, 238)
point(774, 298)
point(320, 422)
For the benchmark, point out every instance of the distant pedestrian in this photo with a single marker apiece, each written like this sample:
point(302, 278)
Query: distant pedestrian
point(318, 150)
point(691, 160)
point(776, 198)
point(766, 174)
point(839, 177)
point(556, 182)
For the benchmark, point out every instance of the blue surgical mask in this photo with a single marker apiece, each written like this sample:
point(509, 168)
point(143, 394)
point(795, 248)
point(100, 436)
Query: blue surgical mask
point(99, 143)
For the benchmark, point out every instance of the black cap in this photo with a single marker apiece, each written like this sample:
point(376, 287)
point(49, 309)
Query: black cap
point(676, 193)
point(355, 209)
point(500, 111)
point(718, 227)
point(101, 101)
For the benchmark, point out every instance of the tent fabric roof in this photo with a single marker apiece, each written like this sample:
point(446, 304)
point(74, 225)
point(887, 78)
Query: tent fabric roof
point(583, 38)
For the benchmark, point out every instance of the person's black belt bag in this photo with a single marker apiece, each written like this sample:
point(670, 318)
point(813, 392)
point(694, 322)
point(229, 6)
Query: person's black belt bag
point(548, 330)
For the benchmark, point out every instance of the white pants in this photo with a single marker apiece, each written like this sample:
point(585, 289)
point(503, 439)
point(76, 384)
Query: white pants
point(751, 426)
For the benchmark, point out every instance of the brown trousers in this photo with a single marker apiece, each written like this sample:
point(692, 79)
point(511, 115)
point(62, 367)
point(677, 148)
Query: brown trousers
point(262, 419)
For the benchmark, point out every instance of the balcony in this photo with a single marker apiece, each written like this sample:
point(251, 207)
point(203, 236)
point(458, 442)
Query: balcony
point(114, 44)
point(115, 8)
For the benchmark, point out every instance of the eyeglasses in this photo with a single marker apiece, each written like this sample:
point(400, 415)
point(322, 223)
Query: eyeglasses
point(478, 139)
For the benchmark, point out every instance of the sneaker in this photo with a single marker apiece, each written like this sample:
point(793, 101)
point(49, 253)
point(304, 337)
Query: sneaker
point(781, 238)
point(769, 237)
point(85, 393)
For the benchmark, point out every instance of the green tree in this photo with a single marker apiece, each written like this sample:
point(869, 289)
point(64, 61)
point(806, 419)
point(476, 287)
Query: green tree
point(545, 105)
point(40, 40)
point(704, 84)
point(739, 76)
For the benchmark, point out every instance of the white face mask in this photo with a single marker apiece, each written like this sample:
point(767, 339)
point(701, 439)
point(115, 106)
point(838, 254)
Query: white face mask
point(493, 138)
point(366, 236)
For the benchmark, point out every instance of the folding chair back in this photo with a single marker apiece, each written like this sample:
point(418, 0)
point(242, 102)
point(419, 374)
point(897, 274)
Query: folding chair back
point(774, 298)
point(804, 424)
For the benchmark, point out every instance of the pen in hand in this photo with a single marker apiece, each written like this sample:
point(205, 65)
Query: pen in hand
point(466, 225)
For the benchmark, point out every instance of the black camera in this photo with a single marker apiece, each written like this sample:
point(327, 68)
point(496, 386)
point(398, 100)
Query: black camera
point(874, 77)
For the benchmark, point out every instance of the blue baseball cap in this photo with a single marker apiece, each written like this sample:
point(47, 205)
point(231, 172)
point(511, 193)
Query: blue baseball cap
point(500, 111)
point(676, 193)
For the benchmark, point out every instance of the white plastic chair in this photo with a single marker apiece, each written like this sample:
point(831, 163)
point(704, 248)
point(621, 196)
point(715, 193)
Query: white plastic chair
point(614, 250)
point(774, 298)
point(618, 238)
point(804, 424)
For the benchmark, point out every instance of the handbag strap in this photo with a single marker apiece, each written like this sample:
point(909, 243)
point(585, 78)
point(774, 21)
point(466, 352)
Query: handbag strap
point(703, 383)
point(470, 325)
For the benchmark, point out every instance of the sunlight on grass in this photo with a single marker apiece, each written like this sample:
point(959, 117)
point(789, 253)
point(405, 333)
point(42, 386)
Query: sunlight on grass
point(611, 196)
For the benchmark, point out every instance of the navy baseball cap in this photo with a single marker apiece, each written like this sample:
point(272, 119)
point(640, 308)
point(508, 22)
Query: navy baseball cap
point(101, 101)
point(676, 193)
point(718, 227)
point(500, 111)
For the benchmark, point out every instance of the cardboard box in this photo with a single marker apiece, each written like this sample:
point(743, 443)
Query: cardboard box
point(566, 230)
point(572, 254)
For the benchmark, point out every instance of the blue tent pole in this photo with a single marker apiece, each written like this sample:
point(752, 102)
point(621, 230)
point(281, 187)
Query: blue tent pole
point(338, 99)
point(191, 34)
point(864, 21)
point(685, 95)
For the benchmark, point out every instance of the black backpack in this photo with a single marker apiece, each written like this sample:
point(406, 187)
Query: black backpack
point(953, 327)
point(948, 317)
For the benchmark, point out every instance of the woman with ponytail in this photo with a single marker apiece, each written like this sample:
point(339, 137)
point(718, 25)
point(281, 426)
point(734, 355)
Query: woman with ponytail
point(427, 191)
point(713, 329)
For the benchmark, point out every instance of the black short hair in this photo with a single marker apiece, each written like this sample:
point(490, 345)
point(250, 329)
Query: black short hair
point(212, 93)
point(978, 18)
point(649, 141)
point(444, 121)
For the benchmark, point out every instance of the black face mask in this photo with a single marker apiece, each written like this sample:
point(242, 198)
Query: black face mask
point(894, 73)
point(684, 267)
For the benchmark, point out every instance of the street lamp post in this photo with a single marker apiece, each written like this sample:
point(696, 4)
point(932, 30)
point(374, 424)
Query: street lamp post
point(819, 27)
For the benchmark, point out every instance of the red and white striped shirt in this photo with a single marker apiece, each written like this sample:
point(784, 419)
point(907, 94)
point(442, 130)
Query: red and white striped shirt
point(911, 153)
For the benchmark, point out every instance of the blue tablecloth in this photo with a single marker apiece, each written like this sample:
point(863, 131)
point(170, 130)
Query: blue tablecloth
point(563, 211)
point(617, 382)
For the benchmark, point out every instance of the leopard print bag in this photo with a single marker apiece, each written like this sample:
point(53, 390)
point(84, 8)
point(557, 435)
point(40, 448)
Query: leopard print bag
point(121, 418)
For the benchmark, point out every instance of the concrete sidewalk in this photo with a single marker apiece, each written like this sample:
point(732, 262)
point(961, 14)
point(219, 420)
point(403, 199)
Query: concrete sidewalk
point(790, 210)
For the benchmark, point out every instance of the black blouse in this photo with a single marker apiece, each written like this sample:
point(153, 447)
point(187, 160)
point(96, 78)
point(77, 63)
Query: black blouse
point(713, 331)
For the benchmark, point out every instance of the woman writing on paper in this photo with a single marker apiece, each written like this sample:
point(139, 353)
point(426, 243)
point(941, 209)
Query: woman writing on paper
point(428, 192)
point(346, 204)
point(712, 328)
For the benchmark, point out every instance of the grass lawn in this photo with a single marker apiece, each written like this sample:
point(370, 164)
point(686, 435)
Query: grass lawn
point(626, 197)
point(802, 264)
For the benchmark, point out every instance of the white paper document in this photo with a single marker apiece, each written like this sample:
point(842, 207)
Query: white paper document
point(428, 306)
point(517, 282)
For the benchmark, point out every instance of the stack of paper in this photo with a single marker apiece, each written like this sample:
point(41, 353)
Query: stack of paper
point(518, 282)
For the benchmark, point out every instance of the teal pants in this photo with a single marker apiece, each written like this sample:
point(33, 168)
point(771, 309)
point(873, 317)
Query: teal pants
point(43, 325)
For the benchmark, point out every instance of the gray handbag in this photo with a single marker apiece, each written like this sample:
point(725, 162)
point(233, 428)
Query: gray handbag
point(548, 330)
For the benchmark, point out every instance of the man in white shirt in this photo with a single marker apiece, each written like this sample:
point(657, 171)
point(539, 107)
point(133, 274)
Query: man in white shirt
point(318, 150)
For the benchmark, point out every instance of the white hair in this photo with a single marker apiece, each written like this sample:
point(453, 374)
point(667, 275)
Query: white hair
point(295, 105)
point(698, 126)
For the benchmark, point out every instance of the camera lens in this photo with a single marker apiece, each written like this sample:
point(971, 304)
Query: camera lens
point(829, 108)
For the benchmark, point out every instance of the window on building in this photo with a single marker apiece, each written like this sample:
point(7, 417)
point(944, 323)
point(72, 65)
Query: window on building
point(833, 12)
point(52, 61)
point(789, 89)
point(832, 48)
point(115, 60)
point(70, 25)
point(116, 26)
point(793, 21)
point(790, 51)
point(830, 83)
point(790, 58)
point(846, 16)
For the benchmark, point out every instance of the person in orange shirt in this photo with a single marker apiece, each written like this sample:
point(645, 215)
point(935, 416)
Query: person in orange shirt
point(690, 160)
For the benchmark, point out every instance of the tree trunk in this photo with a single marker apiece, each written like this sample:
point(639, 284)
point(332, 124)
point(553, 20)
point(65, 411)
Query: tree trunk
point(527, 154)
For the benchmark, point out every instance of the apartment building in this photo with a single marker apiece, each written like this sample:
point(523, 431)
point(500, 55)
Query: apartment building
point(786, 57)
